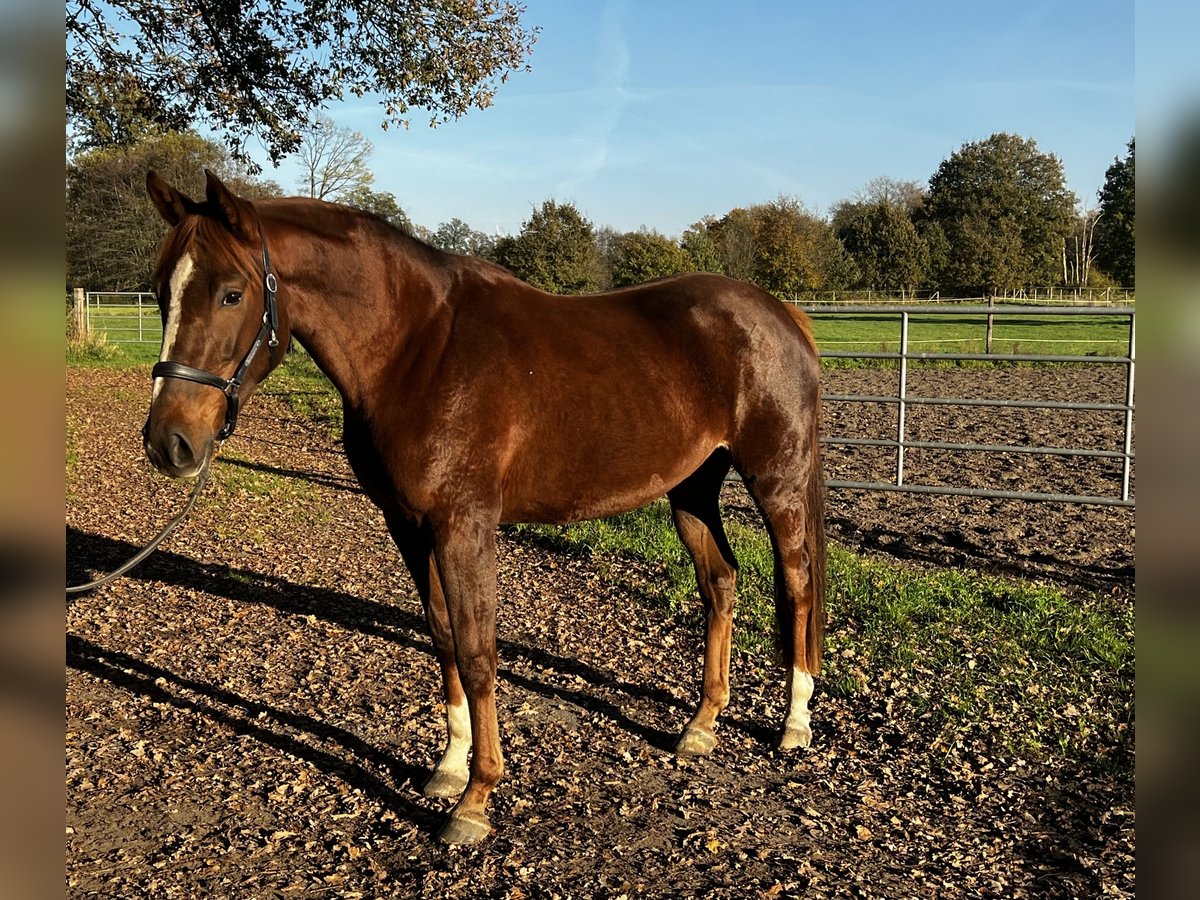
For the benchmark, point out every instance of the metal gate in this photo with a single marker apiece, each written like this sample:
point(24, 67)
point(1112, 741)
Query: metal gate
point(126, 317)
point(903, 399)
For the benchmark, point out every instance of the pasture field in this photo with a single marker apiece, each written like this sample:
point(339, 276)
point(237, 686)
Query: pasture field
point(966, 333)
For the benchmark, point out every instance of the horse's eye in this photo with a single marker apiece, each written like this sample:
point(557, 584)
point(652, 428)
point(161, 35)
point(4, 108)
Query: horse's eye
point(233, 298)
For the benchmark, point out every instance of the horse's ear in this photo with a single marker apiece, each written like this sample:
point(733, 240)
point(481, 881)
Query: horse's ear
point(171, 204)
point(236, 213)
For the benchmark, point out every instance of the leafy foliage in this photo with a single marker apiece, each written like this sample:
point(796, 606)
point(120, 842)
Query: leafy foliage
point(379, 203)
point(697, 242)
point(555, 251)
point(1115, 233)
point(888, 252)
point(645, 255)
point(780, 246)
point(259, 69)
point(112, 230)
point(1004, 210)
point(456, 236)
point(791, 247)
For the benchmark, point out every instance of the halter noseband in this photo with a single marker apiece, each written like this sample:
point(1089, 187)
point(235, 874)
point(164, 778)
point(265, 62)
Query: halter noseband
point(229, 386)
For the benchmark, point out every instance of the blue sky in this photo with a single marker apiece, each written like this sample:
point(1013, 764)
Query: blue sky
point(657, 113)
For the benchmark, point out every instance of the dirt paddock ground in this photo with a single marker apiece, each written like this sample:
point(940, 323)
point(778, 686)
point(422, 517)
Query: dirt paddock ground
point(252, 712)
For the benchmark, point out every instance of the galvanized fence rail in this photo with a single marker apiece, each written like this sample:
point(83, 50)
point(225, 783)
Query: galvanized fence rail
point(128, 317)
point(125, 317)
point(903, 400)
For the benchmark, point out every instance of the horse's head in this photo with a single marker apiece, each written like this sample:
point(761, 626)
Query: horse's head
point(222, 331)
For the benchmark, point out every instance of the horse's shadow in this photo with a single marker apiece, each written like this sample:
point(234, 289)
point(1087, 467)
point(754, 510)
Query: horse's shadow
point(86, 552)
point(330, 481)
point(244, 716)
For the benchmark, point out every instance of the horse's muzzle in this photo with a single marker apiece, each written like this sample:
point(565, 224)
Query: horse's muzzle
point(175, 451)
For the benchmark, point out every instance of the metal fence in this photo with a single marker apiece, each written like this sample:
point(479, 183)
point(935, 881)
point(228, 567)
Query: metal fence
point(1053, 295)
point(903, 399)
point(126, 317)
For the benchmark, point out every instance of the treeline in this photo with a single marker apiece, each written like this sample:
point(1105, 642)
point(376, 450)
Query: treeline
point(996, 216)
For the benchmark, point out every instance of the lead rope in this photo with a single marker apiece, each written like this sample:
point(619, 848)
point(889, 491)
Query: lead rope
point(201, 480)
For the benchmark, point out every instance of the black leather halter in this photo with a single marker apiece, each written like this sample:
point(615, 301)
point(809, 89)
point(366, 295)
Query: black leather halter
point(229, 386)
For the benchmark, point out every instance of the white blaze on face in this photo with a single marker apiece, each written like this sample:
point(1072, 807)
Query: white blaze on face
point(180, 279)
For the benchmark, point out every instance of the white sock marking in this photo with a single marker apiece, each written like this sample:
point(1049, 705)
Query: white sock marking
point(800, 691)
point(458, 727)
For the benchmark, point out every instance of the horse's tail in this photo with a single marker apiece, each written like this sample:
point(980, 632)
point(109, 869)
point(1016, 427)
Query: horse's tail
point(804, 323)
point(814, 537)
point(814, 519)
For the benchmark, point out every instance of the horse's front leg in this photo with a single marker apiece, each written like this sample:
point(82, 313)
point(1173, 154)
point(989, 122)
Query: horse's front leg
point(416, 547)
point(465, 549)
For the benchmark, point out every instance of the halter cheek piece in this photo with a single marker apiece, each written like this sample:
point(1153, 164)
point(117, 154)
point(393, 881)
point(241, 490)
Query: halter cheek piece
point(229, 386)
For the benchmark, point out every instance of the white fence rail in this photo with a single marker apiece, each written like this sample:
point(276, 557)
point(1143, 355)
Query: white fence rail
point(126, 317)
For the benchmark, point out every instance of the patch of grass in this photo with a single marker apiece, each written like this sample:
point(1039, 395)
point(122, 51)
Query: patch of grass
point(92, 350)
point(971, 657)
point(293, 500)
point(98, 351)
point(306, 390)
point(1043, 335)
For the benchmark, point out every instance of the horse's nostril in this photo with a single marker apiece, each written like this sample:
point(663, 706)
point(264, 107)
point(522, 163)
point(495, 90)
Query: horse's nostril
point(180, 451)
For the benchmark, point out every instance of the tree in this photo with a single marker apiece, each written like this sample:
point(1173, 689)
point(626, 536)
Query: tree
point(1003, 209)
point(456, 236)
point(379, 203)
point(260, 69)
point(794, 250)
point(734, 239)
point(555, 251)
point(1115, 234)
point(697, 242)
point(333, 160)
point(780, 246)
point(906, 195)
point(645, 255)
point(1079, 251)
point(112, 229)
point(879, 236)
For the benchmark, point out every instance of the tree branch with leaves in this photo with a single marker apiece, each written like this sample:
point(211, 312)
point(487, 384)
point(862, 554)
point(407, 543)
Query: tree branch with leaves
point(260, 69)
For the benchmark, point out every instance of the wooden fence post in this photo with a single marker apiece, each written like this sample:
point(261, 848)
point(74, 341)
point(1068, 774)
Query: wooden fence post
point(79, 325)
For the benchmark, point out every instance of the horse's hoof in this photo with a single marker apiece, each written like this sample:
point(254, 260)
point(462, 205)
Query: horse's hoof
point(444, 784)
point(465, 828)
point(696, 742)
point(795, 737)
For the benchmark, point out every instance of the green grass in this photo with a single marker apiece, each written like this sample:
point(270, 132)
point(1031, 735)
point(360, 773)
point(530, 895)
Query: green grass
point(294, 501)
point(1015, 664)
point(306, 391)
point(1043, 335)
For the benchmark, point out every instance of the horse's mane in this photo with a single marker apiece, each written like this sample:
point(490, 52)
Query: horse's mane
point(205, 227)
point(335, 220)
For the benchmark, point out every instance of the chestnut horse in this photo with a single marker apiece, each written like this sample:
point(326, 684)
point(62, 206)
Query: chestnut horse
point(472, 398)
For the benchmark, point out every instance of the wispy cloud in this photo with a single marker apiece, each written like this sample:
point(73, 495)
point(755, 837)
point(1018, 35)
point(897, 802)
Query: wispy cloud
point(609, 98)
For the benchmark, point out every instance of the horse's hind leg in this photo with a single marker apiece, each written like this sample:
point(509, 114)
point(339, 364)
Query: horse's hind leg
point(695, 507)
point(449, 777)
point(791, 499)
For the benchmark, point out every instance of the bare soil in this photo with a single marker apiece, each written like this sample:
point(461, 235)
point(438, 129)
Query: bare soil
point(253, 711)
